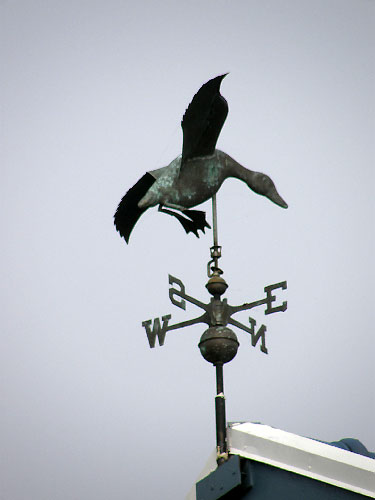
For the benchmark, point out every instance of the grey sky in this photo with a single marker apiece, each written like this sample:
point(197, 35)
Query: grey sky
point(93, 94)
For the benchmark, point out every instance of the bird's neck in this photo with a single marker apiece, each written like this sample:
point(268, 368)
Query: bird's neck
point(235, 169)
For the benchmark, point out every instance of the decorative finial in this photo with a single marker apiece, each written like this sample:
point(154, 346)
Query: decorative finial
point(186, 182)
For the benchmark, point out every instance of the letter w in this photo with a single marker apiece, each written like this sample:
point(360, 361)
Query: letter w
point(157, 329)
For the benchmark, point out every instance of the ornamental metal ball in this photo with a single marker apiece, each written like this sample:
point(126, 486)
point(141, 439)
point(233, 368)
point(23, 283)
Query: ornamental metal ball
point(216, 285)
point(218, 345)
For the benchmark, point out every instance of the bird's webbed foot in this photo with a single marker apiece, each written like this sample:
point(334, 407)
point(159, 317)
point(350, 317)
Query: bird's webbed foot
point(198, 218)
point(191, 220)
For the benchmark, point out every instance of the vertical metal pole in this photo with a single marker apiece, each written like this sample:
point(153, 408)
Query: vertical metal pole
point(221, 431)
point(215, 249)
point(214, 220)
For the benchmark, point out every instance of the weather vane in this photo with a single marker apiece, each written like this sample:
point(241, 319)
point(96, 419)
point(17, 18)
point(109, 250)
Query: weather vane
point(191, 179)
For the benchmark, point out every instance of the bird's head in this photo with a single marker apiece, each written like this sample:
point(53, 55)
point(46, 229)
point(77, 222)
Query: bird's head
point(263, 185)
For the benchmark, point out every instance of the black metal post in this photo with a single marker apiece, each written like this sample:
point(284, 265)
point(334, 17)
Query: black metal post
point(221, 431)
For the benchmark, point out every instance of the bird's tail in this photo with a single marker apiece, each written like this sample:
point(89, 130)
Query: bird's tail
point(128, 212)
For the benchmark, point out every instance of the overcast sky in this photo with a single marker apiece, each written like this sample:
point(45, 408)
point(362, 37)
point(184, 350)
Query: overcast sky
point(93, 95)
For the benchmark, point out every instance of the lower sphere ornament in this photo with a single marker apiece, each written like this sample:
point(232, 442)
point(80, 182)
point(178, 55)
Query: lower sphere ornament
point(218, 345)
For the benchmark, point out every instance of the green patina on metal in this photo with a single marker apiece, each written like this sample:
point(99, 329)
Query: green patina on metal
point(197, 174)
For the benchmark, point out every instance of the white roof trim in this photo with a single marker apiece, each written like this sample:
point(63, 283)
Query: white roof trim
point(303, 456)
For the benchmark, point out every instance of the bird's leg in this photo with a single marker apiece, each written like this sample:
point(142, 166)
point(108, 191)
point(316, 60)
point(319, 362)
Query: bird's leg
point(172, 205)
point(198, 217)
point(196, 220)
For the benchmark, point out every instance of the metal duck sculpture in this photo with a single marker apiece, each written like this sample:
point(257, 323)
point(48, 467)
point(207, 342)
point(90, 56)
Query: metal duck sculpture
point(197, 174)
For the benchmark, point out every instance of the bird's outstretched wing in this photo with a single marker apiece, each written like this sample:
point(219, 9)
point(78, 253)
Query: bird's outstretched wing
point(203, 120)
point(128, 212)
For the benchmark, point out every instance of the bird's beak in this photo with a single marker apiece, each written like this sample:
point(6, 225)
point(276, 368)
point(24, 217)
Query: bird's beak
point(276, 198)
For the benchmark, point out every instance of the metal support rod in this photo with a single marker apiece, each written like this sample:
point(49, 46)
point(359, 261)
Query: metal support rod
point(214, 221)
point(221, 431)
point(215, 249)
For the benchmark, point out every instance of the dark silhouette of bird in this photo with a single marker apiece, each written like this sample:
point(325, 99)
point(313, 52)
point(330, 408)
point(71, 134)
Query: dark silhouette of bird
point(197, 174)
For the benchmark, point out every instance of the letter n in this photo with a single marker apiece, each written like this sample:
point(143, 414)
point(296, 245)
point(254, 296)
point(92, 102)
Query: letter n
point(261, 333)
point(157, 329)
